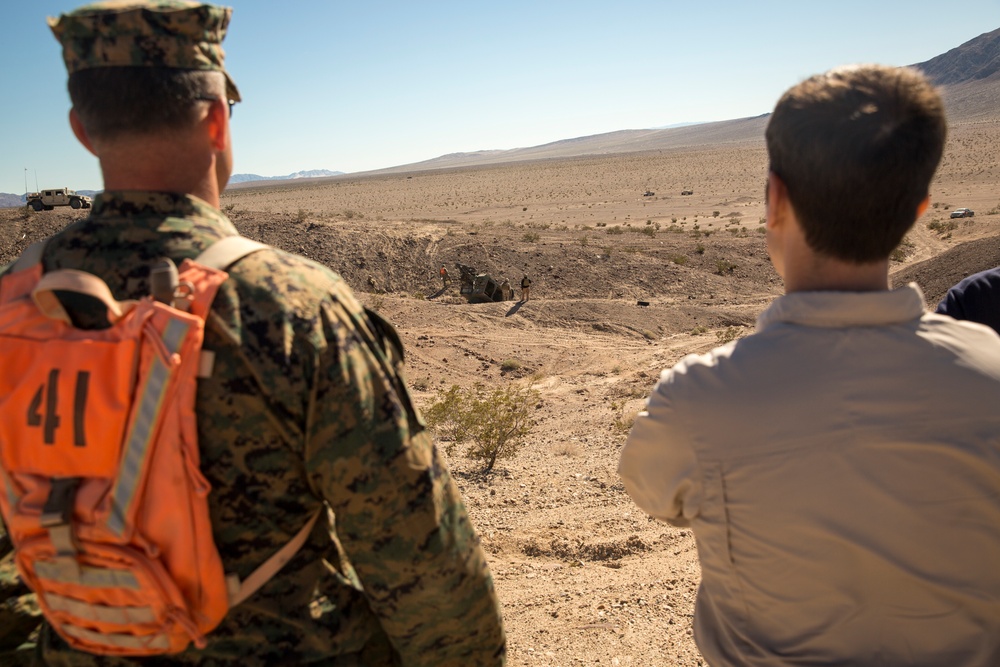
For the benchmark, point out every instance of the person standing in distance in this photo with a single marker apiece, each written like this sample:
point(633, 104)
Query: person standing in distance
point(840, 468)
point(306, 406)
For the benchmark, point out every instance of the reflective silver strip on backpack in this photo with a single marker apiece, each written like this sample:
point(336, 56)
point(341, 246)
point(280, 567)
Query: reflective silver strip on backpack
point(99, 612)
point(143, 429)
point(96, 577)
point(159, 641)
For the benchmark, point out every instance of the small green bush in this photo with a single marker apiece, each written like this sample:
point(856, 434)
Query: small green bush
point(495, 422)
point(510, 365)
point(942, 226)
point(531, 237)
point(724, 267)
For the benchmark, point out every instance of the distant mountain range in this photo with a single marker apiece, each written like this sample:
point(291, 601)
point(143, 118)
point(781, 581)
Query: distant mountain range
point(312, 173)
point(969, 77)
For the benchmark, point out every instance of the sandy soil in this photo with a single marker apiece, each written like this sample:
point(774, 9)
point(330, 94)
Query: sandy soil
point(583, 575)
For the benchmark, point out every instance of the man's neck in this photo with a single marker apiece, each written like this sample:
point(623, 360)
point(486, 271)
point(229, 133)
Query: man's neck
point(818, 273)
point(161, 167)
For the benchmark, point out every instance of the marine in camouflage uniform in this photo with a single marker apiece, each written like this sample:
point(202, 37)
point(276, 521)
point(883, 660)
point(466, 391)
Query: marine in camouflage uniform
point(306, 405)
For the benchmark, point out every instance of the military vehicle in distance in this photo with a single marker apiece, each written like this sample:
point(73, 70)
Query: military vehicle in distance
point(46, 200)
point(482, 287)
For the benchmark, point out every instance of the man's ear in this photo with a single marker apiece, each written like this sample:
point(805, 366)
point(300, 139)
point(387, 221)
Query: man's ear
point(81, 133)
point(217, 124)
point(777, 200)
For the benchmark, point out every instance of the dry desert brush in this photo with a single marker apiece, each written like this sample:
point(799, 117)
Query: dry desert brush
point(493, 421)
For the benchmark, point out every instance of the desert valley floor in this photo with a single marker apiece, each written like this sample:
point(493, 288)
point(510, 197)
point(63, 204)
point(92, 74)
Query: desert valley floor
point(583, 575)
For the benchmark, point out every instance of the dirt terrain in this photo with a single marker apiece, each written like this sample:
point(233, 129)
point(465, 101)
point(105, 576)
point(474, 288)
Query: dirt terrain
point(584, 576)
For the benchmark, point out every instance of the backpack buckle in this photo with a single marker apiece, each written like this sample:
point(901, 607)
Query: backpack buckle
point(58, 512)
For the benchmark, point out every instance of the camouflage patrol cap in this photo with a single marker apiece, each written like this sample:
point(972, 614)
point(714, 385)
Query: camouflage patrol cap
point(175, 34)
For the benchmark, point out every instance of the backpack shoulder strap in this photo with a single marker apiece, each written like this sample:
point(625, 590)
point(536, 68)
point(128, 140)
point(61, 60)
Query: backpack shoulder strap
point(240, 591)
point(24, 273)
point(32, 255)
point(224, 253)
point(221, 255)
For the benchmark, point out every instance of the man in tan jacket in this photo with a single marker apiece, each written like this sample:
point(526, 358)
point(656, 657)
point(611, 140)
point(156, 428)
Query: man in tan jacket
point(840, 468)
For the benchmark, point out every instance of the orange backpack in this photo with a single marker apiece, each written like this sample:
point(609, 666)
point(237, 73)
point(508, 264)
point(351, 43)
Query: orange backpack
point(100, 486)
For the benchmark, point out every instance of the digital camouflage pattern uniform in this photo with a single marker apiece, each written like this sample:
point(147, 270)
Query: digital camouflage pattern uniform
point(306, 405)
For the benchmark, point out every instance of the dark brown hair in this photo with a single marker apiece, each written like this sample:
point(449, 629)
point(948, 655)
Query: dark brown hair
point(114, 101)
point(856, 148)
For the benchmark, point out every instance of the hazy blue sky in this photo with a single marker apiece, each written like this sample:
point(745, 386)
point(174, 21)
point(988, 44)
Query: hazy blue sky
point(352, 86)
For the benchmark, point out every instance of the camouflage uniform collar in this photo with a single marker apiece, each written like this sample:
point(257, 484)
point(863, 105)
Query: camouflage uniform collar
point(129, 203)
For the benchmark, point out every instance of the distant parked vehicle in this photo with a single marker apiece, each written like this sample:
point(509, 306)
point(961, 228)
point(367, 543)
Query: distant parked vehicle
point(687, 192)
point(481, 287)
point(962, 213)
point(46, 200)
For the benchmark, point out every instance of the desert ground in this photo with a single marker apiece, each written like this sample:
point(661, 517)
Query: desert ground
point(583, 575)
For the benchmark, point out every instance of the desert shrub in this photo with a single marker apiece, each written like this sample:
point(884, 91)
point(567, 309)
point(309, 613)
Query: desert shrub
point(531, 237)
point(728, 334)
point(679, 259)
point(903, 250)
point(613, 230)
point(494, 422)
point(700, 248)
point(648, 231)
point(715, 214)
point(648, 335)
point(421, 384)
point(942, 226)
point(508, 365)
point(724, 267)
point(623, 420)
point(301, 215)
point(697, 331)
point(348, 213)
point(582, 240)
point(566, 448)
